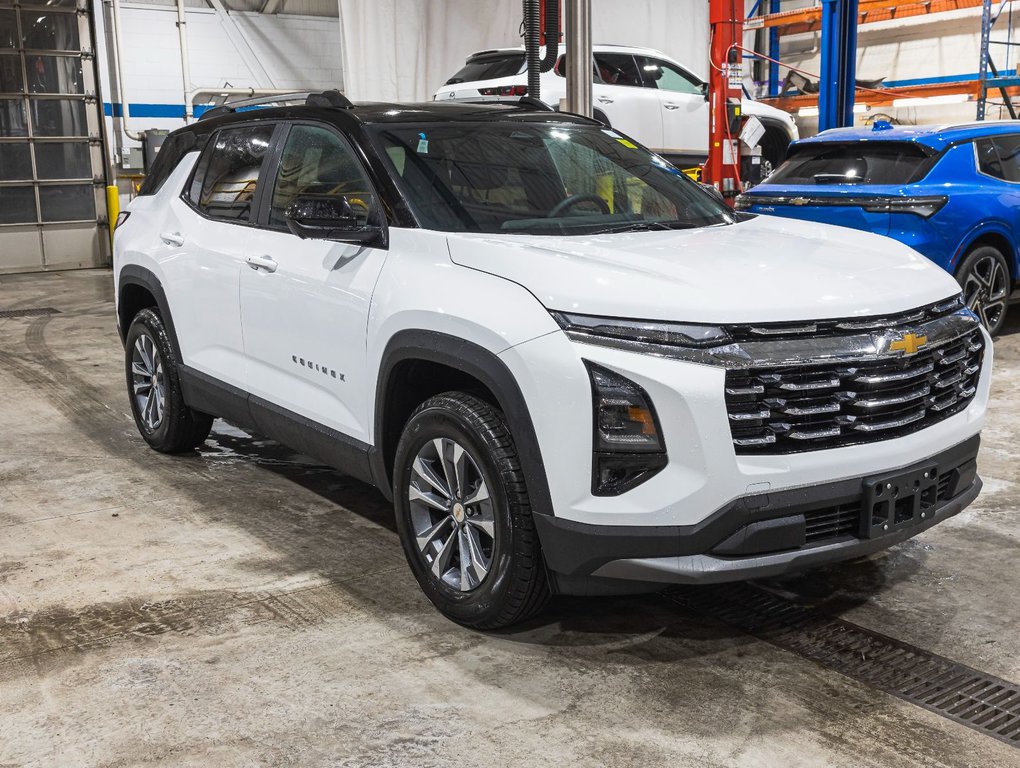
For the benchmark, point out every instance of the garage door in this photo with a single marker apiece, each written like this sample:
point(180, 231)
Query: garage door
point(51, 154)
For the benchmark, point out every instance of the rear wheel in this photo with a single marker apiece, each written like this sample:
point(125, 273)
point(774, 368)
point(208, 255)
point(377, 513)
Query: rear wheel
point(985, 279)
point(163, 419)
point(464, 516)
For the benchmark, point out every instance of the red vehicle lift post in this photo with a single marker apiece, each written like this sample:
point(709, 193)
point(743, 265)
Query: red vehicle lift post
point(725, 88)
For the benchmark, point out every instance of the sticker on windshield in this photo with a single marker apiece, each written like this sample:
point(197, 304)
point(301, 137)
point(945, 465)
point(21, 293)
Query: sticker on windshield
point(423, 144)
point(627, 143)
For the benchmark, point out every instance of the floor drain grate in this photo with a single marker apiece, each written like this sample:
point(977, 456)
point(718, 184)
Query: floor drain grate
point(29, 312)
point(975, 699)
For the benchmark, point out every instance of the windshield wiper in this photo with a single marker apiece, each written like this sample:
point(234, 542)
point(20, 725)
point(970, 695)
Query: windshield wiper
point(641, 226)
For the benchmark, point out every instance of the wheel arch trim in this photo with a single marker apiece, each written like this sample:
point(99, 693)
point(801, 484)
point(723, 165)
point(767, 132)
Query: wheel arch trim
point(132, 274)
point(481, 364)
point(986, 229)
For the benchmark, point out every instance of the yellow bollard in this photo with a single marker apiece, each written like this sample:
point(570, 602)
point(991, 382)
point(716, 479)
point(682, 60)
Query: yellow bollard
point(112, 208)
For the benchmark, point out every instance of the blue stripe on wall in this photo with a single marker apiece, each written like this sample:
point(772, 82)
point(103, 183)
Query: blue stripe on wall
point(172, 111)
point(176, 111)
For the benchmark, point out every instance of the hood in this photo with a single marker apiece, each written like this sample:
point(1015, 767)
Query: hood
point(765, 269)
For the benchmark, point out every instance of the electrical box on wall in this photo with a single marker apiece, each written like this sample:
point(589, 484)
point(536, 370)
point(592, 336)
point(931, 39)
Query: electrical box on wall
point(132, 159)
point(152, 140)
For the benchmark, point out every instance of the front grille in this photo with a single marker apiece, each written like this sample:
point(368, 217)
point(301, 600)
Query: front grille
point(811, 407)
point(844, 327)
point(832, 522)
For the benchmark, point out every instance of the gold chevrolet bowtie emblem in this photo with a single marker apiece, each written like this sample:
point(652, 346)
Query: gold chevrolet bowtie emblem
point(908, 344)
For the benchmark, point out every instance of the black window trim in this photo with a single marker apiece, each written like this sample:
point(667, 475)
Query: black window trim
point(264, 195)
point(210, 146)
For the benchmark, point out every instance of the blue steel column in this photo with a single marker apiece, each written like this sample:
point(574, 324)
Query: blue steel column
point(839, 64)
point(773, 33)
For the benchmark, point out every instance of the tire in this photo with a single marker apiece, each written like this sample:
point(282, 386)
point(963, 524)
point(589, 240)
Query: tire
point(512, 585)
point(166, 423)
point(985, 279)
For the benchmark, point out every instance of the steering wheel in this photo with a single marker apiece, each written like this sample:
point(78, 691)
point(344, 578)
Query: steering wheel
point(573, 200)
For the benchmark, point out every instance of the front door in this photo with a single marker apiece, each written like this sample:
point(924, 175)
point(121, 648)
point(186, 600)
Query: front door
point(685, 111)
point(305, 303)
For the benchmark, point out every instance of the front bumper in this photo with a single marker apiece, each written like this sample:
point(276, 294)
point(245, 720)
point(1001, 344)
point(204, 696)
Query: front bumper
point(758, 535)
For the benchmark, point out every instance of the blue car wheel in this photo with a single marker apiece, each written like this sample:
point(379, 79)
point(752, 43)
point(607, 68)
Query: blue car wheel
point(984, 277)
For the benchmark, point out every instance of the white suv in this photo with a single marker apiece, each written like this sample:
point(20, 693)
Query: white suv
point(571, 368)
point(638, 91)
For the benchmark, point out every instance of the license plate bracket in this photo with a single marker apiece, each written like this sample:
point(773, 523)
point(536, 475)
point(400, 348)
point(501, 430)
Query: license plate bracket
point(895, 502)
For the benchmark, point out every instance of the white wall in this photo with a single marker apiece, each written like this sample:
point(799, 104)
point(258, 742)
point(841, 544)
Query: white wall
point(298, 52)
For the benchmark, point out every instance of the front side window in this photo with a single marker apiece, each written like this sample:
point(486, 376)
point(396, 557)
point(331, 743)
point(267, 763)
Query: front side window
point(1000, 157)
point(660, 74)
point(227, 175)
point(892, 163)
point(317, 162)
point(540, 178)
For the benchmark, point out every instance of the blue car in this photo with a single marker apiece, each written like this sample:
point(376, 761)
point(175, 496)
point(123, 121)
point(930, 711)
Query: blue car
point(950, 192)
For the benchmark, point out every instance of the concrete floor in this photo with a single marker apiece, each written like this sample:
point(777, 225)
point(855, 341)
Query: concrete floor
point(245, 607)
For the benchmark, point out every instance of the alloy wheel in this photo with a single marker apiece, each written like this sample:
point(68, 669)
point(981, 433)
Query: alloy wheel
point(147, 382)
point(452, 514)
point(985, 290)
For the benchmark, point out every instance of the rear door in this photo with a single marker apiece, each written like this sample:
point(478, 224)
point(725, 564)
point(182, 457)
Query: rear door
point(305, 303)
point(682, 100)
point(204, 241)
point(631, 109)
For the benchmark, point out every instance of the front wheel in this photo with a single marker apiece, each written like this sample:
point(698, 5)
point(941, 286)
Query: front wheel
point(984, 277)
point(163, 419)
point(464, 516)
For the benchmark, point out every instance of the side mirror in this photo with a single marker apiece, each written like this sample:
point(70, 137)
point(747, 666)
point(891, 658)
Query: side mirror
point(330, 218)
point(714, 192)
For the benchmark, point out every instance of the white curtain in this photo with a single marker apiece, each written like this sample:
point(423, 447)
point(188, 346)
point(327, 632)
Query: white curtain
point(403, 50)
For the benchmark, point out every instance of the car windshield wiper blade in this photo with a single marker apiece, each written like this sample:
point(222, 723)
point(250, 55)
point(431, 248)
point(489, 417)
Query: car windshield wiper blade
point(641, 226)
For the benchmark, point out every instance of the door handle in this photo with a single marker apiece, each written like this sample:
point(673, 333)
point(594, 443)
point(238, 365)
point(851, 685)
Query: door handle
point(671, 105)
point(604, 100)
point(175, 239)
point(261, 262)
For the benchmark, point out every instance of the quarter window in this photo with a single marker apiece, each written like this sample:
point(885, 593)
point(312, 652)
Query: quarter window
point(227, 176)
point(317, 162)
point(1000, 157)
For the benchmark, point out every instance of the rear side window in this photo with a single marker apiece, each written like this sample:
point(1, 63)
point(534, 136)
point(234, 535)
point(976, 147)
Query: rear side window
point(489, 68)
point(174, 148)
point(617, 69)
point(225, 181)
point(1000, 157)
point(893, 163)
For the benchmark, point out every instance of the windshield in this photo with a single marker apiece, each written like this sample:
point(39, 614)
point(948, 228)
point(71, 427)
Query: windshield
point(894, 162)
point(540, 178)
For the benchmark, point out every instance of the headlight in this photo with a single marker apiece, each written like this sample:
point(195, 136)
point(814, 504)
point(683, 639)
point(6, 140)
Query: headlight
point(589, 328)
point(627, 442)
